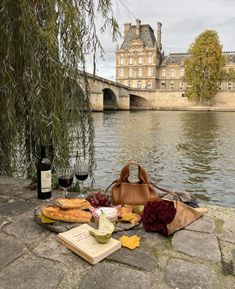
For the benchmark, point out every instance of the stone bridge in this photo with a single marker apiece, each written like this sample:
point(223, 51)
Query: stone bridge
point(110, 95)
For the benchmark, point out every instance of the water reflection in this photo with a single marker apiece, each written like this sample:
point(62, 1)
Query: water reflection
point(187, 151)
point(200, 132)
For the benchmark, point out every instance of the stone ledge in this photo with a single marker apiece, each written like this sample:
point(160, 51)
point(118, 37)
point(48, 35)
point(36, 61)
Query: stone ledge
point(196, 244)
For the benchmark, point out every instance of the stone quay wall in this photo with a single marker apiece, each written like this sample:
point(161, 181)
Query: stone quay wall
point(201, 256)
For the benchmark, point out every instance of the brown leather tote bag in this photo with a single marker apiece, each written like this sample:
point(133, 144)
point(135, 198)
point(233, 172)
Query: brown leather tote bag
point(125, 192)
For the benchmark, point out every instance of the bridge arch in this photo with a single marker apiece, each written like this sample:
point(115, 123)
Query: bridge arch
point(138, 102)
point(110, 99)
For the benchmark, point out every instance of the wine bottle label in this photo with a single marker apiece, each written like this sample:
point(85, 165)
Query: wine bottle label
point(46, 181)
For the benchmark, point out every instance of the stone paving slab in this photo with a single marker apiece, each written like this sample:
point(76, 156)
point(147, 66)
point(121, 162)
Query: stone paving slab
point(228, 233)
point(143, 234)
point(139, 258)
point(185, 275)
point(107, 276)
point(2, 221)
point(30, 272)
point(16, 207)
point(196, 244)
point(233, 260)
point(73, 278)
point(27, 231)
point(12, 187)
point(49, 248)
point(3, 200)
point(204, 224)
point(11, 249)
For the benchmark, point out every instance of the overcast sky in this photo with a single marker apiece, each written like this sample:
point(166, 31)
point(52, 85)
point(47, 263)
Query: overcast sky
point(182, 21)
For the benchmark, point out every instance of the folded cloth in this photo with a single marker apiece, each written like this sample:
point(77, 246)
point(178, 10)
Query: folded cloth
point(183, 197)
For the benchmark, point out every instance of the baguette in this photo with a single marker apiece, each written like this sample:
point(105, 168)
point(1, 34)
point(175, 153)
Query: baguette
point(70, 215)
point(66, 203)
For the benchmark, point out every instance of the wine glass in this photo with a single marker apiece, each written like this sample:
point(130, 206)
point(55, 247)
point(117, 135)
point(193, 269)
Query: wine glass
point(65, 177)
point(81, 173)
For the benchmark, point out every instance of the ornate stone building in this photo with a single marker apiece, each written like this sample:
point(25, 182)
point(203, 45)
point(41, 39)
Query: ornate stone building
point(141, 63)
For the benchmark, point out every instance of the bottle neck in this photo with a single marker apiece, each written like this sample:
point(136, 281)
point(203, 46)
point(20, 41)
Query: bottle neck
point(43, 151)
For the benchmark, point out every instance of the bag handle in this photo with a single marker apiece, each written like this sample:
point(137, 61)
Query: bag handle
point(115, 181)
point(174, 194)
point(125, 172)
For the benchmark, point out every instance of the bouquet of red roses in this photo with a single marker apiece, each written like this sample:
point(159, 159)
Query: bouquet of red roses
point(166, 217)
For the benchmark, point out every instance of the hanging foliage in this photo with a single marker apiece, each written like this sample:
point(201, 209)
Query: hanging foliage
point(44, 93)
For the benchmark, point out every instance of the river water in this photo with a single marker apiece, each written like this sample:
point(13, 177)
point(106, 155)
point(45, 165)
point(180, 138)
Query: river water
point(181, 151)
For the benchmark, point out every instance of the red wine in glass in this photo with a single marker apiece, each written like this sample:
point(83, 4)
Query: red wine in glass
point(81, 173)
point(65, 181)
point(65, 178)
point(81, 176)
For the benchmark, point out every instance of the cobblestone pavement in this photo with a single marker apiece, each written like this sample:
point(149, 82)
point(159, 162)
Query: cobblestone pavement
point(202, 256)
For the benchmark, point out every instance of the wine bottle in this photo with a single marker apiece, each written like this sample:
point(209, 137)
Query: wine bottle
point(44, 175)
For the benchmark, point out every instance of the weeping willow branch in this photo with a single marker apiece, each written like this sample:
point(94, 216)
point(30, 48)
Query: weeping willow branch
point(44, 93)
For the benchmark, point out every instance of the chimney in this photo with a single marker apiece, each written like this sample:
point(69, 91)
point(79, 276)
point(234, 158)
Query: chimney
point(159, 36)
point(138, 27)
point(127, 27)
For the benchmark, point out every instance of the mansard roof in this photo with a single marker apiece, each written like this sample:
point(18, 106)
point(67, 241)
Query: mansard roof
point(178, 58)
point(230, 56)
point(174, 58)
point(146, 36)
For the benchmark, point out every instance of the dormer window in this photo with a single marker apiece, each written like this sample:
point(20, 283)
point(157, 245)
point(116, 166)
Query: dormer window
point(163, 72)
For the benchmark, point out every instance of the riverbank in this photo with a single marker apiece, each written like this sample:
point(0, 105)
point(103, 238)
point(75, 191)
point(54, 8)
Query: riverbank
point(196, 108)
point(200, 256)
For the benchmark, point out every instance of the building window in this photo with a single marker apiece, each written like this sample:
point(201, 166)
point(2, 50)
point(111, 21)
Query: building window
point(139, 84)
point(149, 58)
point(163, 72)
point(149, 71)
point(130, 72)
point(229, 85)
point(163, 84)
point(149, 84)
point(131, 60)
point(121, 59)
point(181, 85)
point(139, 72)
point(172, 85)
point(181, 72)
point(121, 72)
point(230, 58)
point(172, 74)
point(140, 59)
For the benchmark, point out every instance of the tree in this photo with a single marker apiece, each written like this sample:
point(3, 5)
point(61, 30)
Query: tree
point(204, 68)
point(44, 93)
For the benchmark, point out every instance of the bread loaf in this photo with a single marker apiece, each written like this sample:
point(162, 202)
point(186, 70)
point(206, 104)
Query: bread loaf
point(69, 215)
point(73, 203)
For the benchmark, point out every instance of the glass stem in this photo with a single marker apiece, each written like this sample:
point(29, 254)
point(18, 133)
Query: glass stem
point(81, 188)
point(65, 193)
